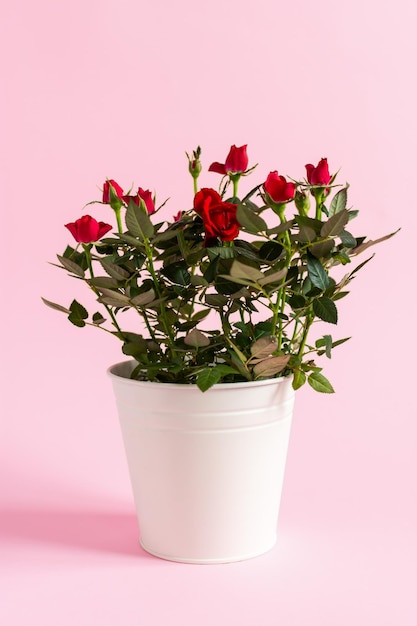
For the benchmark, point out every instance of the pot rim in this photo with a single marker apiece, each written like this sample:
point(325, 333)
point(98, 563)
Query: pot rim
point(240, 385)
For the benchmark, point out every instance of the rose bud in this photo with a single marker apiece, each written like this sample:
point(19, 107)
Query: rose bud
point(194, 163)
point(236, 162)
point(318, 175)
point(145, 196)
point(278, 189)
point(109, 194)
point(302, 202)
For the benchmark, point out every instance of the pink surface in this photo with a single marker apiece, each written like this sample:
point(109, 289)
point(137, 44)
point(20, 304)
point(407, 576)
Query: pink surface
point(122, 89)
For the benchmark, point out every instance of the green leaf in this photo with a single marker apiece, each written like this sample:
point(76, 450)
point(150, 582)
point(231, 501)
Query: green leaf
point(216, 300)
point(138, 222)
point(132, 241)
point(220, 251)
point(200, 315)
point(340, 341)
point(321, 248)
point(306, 234)
point(366, 244)
point(339, 202)
point(335, 224)
point(210, 376)
point(115, 295)
point(177, 273)
point(320, 383)
point(57, 307)
point(243, 271)
point(142, 299)
point(325, 309)
point(72, 267)
point(113, 270)
point(98, 319)
point(270, 250)
point(78, 314)
point(249, 220)
point(273, 277)
point(317, 273)
point(299, 379)
point(198, 281)
point(347, 239)
point(309, 222)
point(326, 342)
point(281, 228)
point(103, 282)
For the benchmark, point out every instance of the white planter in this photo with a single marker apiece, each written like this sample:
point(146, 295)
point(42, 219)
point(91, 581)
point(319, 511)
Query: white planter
point(206, 468)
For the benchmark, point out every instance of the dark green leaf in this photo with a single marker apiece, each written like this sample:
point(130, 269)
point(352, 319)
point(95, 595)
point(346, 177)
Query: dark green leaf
point(98, 319)
point(78, 314)
point(216, 299)
point(325, 309)
point(177, 273)
point(271, 250)
point(211, 375)
point(347, 239)
point(317, 273)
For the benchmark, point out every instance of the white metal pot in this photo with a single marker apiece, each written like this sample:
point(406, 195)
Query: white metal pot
point(206, 468)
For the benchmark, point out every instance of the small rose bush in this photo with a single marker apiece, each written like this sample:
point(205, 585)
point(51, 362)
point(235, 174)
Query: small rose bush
point(230, 288)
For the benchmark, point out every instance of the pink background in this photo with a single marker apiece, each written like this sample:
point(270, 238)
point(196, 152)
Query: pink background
point(121, 89)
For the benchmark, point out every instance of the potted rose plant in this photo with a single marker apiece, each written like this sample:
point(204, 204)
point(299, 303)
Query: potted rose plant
point(226, 295)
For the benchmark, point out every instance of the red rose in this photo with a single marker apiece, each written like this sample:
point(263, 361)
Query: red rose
point(318, 175)
point(204, 198)
point(278, 189)
point(236, 162)
point(106, 190)
point(87, 229)
point(219, 218)
point(146, 196)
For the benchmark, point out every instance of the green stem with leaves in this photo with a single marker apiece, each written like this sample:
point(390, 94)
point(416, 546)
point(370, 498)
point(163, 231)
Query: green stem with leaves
point(152, 272)
point(87, 250)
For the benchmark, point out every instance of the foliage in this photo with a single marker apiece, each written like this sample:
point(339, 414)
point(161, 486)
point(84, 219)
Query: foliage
point(264, 277)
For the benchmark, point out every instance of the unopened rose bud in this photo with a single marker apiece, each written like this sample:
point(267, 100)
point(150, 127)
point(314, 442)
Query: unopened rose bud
point(302, 202)
point(194, 163)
